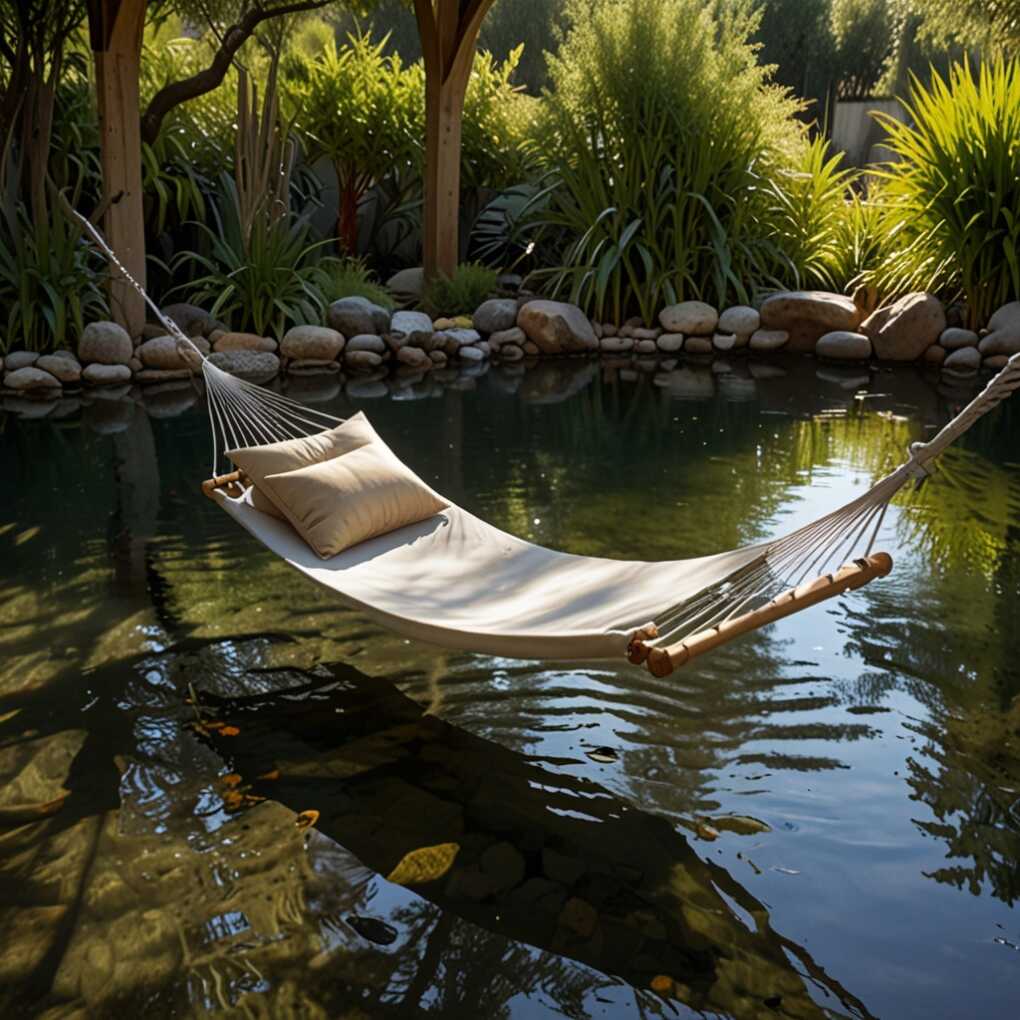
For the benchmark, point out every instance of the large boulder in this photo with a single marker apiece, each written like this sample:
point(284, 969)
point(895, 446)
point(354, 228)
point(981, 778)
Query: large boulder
point(807, 315)
point(190, 319)
point(30, 378)
point(162, 353)
point(904, 330)
point(354, 315)
point(66, 370)
point(105, 343)
point(556, 327)
point(689, 317)
point(256, 366)
point(495, 315)
point(316, 343)
point(410, 329)
point(843, 345)
point(1003, 332)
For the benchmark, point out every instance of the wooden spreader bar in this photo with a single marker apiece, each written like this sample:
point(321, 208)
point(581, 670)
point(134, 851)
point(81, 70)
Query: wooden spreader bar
point(234, 484)
point(662, 660)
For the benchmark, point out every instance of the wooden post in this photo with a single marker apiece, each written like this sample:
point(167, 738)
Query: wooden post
point(448, 29)
point(115, 31)
point(663, 660)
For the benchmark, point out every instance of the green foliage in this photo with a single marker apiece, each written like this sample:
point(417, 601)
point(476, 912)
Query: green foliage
point(993, 24)
point(350, 277)
point(864, 39)
point(807, 209)
point(498, 125)
point(952, 200)
point(50, 282)
point(533, 24)
point(262, 276)
point(461, 293)
point(660, 131)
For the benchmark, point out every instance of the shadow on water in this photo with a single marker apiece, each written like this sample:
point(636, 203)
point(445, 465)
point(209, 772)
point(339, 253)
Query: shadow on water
point(158, 876)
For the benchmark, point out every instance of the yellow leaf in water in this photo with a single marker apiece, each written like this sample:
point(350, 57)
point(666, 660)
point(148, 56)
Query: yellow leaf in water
point(706, 832)
point(232, 799)
point(274, 774)
point(306, 818)
point(27, 535)
point(426, 864)
point(229, 731)
point(231, 779)
point(662, 983)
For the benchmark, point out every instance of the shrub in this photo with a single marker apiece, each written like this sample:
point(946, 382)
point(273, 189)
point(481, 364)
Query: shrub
point(461, 293)
point(952, 200)
point(340, 278)
point(659, 131)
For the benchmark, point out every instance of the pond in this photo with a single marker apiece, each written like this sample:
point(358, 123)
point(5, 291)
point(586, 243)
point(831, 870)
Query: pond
point(821, 819)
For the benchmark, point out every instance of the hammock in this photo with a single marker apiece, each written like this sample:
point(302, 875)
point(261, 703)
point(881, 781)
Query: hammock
point(459, 582)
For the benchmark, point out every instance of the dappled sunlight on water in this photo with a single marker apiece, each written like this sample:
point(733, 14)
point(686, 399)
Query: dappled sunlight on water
point(821, 819)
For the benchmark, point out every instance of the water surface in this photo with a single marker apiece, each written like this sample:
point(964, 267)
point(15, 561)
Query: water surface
point(819, 820)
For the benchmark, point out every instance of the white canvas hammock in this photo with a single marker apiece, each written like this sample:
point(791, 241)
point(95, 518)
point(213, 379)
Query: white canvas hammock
point(458, 582)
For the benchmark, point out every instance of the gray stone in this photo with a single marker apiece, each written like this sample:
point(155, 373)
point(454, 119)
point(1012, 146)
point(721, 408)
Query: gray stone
point(843, 345)
point(354, 315)
point(616, 344)
point(963, 360)
point(98, 374)
point(66, 370)
point(105, 343)
point(689, 317)
point(641, 333)
point(251, 365)
point(366, 342)
point(935, 355)
point(30, 378)
point(806, 315)
point(514, 335)
point(414, 328)
point(555, 327)
point(503, 865)
point(511, 352)
point(645, 347)
point(670, 343)
point(20, 359)
point(996, 361)
point(698, 345)
point(471, 354)
point(495, 315)
point(954, 338)
point(414, 356)
point(407, 285)
point(740, 319)
point(162, 375)
point(361, 360)
point(768, 339)
point(452, 339)
point(724, 341)
point(904, 330)
point(1003, 331)
point(190, 320)
point(438, 357)
point(319, 343)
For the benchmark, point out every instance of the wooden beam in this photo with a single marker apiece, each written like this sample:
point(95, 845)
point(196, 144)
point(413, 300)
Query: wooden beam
point(662, 661)
point(118, 31)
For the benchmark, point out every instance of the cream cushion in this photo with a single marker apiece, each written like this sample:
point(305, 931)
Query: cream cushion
point(258, 461)
point(345, 500)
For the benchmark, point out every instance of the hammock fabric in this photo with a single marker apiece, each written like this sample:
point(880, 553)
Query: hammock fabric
point(457, 581)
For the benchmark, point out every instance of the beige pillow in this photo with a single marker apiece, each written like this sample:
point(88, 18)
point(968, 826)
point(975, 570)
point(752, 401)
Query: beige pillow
point(337, 503)
point(258, 461)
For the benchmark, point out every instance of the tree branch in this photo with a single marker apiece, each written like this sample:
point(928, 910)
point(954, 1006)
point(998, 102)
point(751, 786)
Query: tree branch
point(177, 92)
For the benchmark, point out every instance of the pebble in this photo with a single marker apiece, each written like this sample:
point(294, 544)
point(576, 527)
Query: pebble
point(698, 345)
point(955, 337)
point(65, 370)
point(616, 344)
point(768, 339)
point(31, 378)
point(362, 359)
point(670, 343)
point(106, 375)
point(20, 359)
point(366, 342)
point(964, 360)
point(724, 341)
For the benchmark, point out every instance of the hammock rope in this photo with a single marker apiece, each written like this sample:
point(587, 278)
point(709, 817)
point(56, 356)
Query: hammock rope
point(774, 579)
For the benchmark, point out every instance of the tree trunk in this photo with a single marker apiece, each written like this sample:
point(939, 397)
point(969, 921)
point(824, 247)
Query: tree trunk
point(448, 30)
point(117, 46)
point(444, 106)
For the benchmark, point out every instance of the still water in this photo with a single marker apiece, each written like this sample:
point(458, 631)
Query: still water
point(820, 820)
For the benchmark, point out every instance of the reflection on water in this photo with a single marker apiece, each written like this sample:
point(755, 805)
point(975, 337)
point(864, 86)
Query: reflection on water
point(820, 820)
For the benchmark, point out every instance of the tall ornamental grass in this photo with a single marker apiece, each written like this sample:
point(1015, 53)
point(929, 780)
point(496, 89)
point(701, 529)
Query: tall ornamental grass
point(660, 131)
point(952, 200)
